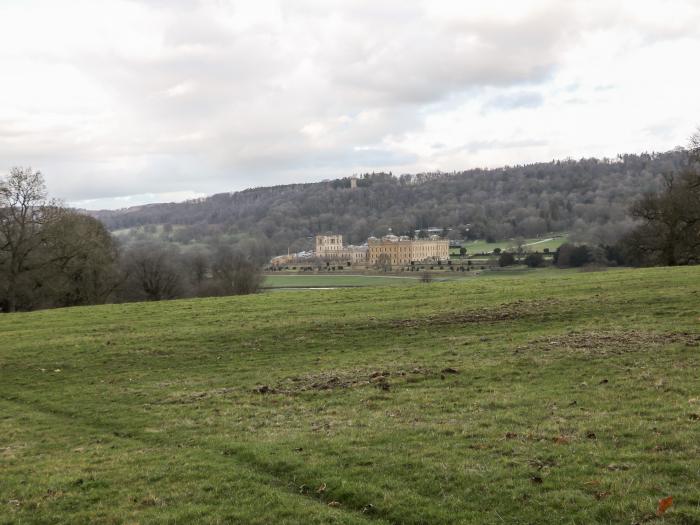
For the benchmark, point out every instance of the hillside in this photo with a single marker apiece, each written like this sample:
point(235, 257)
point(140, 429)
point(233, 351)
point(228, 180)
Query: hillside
point(588, 197)
point(555, 396)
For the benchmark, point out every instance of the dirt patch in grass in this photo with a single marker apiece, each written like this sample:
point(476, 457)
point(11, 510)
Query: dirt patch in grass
point(351, 378)
point(382, 379)
point(506, 312)
point(611, 342)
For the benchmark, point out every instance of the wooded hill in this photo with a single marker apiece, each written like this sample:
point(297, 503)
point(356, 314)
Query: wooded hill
point(589, 198)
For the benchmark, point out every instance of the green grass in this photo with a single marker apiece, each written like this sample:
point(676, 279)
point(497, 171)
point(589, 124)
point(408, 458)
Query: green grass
point(552, 243)
point(337, 279)
point(576, 400)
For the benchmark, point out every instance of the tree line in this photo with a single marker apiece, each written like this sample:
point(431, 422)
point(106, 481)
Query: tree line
point(51, 256)
point(589, 198)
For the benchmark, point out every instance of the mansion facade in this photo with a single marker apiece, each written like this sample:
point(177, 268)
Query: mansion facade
point(390, 250)
point(398, 251)
point(330, 247)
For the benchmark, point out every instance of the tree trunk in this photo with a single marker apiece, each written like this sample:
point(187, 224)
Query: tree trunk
point(11, 296)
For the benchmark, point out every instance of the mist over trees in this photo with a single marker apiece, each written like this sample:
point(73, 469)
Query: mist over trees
point(588, 198)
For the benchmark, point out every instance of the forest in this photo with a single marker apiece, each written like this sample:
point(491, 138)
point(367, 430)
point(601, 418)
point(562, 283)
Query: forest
point(589, 198)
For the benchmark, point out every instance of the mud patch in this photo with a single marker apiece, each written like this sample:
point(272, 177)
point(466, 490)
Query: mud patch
point(611, 342)
point(351, 378)
point(505, 312)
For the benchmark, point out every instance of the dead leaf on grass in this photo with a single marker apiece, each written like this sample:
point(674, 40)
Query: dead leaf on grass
point(664, 505)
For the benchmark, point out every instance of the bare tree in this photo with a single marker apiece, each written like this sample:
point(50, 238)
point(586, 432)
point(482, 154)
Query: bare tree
point(82, 258)
point(670, 229)
point(694, 146)
point(196, 264)
point(235, 274)
point(383, 262)
point(152, 273)
point(24, 212)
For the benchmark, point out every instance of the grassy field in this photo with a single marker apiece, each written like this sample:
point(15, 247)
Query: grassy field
point(552, 243)
point(550, 397)
point(337, 279)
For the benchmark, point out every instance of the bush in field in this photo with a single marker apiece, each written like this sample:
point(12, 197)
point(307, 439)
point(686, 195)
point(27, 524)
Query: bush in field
point(572, 256)
point(534, 260)
point(506, 259)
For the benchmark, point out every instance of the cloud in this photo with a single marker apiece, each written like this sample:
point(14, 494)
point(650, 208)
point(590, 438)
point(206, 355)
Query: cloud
point(519, 99)
point(121, 97)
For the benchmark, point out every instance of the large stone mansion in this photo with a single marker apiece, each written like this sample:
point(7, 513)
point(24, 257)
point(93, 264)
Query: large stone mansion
point(403, 250)
point(390, 249)
point(330, 247)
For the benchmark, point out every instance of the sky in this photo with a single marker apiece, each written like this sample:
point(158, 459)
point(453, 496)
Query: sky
point(125, 102)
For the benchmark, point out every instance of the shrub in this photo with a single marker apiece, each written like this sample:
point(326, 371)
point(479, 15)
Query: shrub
point(534, 260)
point(506, 259)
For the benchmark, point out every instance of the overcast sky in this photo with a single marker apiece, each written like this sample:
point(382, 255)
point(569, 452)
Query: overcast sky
point(121, 102)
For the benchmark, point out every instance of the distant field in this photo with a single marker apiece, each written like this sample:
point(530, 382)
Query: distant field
point(550, 396)
point(339, 280)
point(552, 243)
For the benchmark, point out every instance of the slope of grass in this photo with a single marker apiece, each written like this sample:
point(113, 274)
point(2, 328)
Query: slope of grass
point(535, 244)
point(553, 397)
point(281, 280)
point(338, 279)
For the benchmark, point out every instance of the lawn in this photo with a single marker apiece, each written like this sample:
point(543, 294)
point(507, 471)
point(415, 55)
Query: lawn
point(547, 397)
